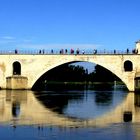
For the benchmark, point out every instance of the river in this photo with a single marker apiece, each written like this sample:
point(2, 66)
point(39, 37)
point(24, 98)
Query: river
point(69, 115)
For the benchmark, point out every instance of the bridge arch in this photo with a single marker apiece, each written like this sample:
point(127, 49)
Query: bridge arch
point(16, 68)
point(128, 66)
point(69, 62)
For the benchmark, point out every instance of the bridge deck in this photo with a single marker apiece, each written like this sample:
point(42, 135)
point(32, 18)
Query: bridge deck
point(60, 52)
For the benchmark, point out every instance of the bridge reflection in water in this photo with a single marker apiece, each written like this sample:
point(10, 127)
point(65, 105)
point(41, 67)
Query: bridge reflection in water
point(21, 107)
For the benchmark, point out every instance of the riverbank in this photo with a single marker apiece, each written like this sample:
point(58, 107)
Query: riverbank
point(54, 85)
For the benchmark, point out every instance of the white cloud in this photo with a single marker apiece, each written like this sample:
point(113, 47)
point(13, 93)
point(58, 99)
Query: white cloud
point(27, 44)
point(8, 38)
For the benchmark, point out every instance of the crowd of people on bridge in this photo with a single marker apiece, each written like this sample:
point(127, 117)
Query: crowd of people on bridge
point(78, 51)
point(72, 51)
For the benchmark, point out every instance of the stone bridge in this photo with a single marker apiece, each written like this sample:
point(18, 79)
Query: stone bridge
point(21, 71)
point(32, 67)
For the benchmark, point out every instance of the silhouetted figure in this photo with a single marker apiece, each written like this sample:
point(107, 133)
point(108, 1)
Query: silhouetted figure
point(16, 51)
point(52, 51)
point(66, 51)
point(72, 51)
point(133, 51)
point(95, 51)
point(77, 51)
point(127, 51)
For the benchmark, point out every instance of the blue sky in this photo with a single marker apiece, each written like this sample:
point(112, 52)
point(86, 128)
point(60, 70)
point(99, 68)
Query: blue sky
point(56, 24)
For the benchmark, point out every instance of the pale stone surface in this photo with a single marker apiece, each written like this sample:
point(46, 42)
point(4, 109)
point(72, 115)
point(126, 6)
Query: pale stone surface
point(34, 66)
point(16, 82)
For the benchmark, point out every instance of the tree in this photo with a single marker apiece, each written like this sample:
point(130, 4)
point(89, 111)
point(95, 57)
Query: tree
point(101, 74)
point(66, 73)
point(63, 73)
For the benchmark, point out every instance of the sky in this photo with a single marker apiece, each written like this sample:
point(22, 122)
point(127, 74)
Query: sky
point(56, 24)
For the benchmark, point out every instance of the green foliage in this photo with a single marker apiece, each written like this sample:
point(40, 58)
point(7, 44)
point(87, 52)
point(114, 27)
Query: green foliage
point(100, 74)
point(72, 73)
point(67, 73)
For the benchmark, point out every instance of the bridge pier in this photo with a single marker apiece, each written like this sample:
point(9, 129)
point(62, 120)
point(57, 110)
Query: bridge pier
point(137, 82)
point(16, 82)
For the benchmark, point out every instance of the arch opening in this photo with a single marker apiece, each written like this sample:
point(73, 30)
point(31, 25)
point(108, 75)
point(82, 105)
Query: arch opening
point(128, 66)
point(98, 74)
point(16, 68)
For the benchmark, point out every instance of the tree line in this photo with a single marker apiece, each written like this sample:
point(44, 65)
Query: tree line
point(72, 73)
point(75, 73)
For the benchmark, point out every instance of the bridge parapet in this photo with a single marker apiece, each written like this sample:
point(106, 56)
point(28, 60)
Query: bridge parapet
point(56, 52)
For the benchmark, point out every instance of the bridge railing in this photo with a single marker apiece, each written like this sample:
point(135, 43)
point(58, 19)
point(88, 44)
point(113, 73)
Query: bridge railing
point(64, 52)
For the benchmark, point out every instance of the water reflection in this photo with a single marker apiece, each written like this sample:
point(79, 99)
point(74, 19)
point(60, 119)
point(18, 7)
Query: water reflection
point(69, 108)
point(58, 101)
point(15, 109)
point(137, 99)
point(103, 98)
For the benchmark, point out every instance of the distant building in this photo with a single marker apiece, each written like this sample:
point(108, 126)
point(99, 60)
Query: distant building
point(138, 46)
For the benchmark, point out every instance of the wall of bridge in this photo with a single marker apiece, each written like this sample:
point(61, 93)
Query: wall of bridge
point(34, 66)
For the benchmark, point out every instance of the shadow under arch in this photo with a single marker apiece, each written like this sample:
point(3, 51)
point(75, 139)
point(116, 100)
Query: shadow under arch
point(45, 74)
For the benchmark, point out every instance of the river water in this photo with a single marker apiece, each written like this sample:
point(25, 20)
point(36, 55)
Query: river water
point(69, 115)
